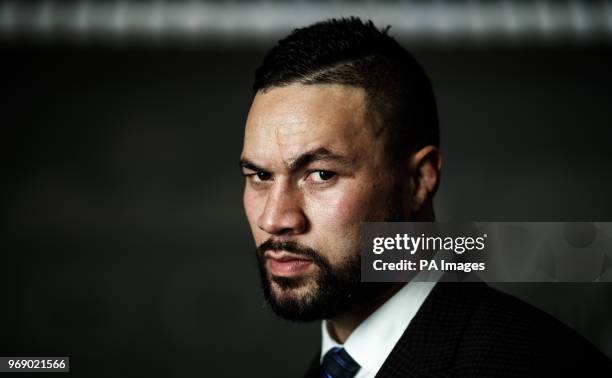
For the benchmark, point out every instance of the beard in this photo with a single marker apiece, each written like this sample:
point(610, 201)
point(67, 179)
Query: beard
point(331, 291)
point(334, 289)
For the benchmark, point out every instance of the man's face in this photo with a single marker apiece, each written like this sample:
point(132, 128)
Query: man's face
point(314, 171)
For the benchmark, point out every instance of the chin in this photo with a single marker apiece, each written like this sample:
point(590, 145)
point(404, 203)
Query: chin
point(291, 289)
point(295, 303)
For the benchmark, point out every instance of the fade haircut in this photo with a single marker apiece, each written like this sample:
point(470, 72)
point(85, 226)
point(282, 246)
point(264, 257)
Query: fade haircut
point(399, 98)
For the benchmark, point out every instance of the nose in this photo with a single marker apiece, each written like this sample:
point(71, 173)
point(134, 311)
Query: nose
point(283, 213)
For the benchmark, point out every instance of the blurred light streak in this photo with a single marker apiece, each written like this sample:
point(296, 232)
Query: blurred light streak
point(251, 21)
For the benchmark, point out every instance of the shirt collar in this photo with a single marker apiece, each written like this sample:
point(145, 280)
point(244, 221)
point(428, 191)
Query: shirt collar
point(372, 341)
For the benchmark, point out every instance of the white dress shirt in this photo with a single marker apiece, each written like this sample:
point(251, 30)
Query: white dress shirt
point(372, 341)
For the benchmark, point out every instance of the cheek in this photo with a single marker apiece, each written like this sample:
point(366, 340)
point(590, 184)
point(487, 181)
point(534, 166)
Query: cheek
point(342, 207)
point(336, 218)
point(253, 204)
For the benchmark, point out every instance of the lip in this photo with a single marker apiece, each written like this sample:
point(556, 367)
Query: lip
point(285, 264)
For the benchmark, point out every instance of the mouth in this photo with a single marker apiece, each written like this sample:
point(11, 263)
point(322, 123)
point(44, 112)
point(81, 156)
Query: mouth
point(285, 264)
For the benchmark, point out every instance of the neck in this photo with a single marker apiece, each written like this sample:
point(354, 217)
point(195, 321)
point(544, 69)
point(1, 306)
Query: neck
point(341, 327)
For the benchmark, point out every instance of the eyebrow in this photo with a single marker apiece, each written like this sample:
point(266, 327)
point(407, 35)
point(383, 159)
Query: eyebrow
point(247, 164)
point(303, 160)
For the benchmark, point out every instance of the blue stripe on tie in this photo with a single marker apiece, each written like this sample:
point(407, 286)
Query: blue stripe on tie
point(341, 362)
point(326, 374)
point(337, 363)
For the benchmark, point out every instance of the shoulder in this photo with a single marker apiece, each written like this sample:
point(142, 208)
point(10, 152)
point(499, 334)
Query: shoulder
point(505, 331)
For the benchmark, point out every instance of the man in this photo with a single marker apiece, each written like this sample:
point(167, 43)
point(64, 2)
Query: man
point(343, 129)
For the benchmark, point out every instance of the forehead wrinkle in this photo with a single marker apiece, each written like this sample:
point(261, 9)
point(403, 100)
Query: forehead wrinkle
point(284, 132)
point(301, 118)
point(317, 147)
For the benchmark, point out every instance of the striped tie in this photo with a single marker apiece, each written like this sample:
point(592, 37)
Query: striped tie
point(338, 364)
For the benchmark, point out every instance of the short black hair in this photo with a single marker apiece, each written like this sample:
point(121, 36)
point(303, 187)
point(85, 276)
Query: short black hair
point(349, 51)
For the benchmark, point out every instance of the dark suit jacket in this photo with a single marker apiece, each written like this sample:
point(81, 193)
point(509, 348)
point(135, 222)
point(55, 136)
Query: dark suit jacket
point(472, 330)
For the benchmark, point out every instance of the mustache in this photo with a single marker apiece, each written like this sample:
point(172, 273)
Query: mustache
point(293, 247)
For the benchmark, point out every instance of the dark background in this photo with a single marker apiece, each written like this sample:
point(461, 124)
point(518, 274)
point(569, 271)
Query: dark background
point(124, 243)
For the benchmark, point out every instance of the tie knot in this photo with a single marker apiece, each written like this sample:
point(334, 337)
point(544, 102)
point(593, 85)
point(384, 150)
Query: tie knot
point(337, 363)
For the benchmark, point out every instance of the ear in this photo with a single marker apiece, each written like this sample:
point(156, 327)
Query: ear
point(424, 167)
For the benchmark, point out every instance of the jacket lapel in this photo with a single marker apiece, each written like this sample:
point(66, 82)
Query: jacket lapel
point(314, 369)
point(429, 345)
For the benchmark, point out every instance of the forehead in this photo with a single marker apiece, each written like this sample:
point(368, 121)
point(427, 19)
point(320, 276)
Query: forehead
point(291, 119)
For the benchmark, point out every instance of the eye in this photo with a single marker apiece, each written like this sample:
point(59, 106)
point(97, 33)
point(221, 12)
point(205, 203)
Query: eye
point(261, 176)
point(258, 176)
point(322, 176)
